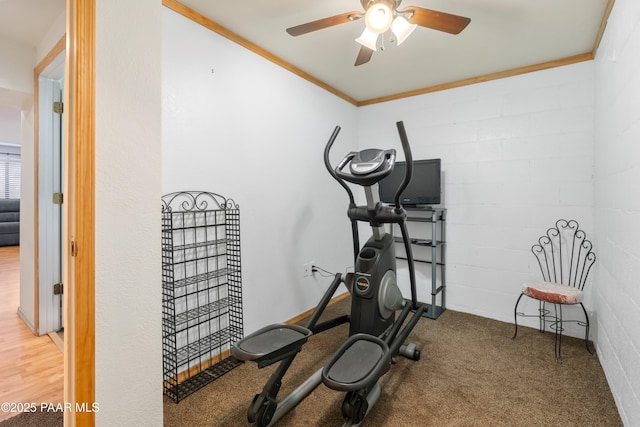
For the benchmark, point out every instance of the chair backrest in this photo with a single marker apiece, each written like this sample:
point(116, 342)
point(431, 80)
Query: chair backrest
point(564, 254)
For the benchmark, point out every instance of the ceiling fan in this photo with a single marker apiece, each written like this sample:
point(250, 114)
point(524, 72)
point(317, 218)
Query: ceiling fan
point(383, 15)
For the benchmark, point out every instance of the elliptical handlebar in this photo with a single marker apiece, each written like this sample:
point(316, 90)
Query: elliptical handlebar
point(403, 226)
point(409, 162)
point(355, 234)
point(327, 164)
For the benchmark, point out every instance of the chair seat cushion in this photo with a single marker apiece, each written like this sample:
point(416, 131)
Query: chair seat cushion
point(555, 293)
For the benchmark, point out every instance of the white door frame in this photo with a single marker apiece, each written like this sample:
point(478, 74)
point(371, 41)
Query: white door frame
point(50, 87)
point(48, 73)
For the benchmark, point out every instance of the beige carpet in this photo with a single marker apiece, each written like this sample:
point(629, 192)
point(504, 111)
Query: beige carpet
point(35, 419)
point(471, 374)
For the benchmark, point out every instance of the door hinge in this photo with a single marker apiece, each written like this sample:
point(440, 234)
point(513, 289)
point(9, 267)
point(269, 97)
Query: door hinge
point(57, 289)
point(58, 107)
point(58, 198)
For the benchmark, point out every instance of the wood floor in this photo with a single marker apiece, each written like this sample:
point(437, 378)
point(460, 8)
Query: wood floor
point(31, 367)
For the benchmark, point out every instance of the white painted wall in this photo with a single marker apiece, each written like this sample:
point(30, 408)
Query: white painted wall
point(16, 67)
point(27, 219)
point(128, 342)
point(10, 125)
point(238, 125)
point(517, 154)
point(617, 206)
point(56, 30)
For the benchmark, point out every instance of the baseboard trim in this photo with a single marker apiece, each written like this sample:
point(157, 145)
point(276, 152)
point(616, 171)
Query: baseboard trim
point(26, 321)
point(310, 311)
point(57, 341)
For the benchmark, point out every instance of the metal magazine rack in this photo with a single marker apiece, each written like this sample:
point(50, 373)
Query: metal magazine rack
point(201, 289)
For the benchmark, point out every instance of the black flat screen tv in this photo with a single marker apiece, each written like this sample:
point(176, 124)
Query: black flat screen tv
point(423, 189)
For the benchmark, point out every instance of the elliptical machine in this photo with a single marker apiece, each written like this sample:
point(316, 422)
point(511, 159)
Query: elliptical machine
point(375, 334)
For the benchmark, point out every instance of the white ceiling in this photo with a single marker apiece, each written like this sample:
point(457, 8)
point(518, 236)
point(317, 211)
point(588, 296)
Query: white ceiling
point(503, 35)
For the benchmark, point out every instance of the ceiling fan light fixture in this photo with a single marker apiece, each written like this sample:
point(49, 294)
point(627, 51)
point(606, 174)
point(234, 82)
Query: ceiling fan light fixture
point(368, 39)
point(379, 17)
point(402, 29)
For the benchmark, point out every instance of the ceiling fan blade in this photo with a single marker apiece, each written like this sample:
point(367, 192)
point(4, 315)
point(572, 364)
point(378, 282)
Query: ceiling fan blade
point(324, 23)
point(364, 56)
point(440, 21)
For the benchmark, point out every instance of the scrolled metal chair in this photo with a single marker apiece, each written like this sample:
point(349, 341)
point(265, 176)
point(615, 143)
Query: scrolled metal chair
point(565, 257)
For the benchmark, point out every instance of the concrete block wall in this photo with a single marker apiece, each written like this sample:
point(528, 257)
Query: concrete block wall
point(617, 206)
point(517, 154)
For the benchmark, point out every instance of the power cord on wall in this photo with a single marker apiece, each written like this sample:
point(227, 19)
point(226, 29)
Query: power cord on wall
point(326, 273)
point(321, 271)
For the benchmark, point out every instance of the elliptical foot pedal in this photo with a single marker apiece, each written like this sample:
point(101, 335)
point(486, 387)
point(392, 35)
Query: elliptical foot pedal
point(271, 344)
point(357, 364)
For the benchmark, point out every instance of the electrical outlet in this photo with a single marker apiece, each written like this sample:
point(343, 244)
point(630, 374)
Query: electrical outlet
point(308, 268)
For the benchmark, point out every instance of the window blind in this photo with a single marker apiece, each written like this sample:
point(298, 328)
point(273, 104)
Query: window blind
point(9, 176)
